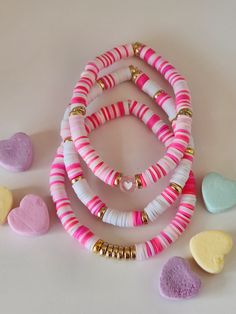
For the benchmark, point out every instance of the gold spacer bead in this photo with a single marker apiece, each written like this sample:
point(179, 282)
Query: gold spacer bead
point(137, 46)
point(117, 179)
point(132, 252)
point(109, 250)
point(176, 187)
point(101, 212)
point(135, 72)
point(190, 151)
point(101, 84)
point(127, 253)
point(144, 217)
point(120, 253)
point(158, 93)
point(104, 248)
point(78, 111)
point(138, 181)
point(68, 139)
point(115, 251)
point(73, 181)
point(97, 246)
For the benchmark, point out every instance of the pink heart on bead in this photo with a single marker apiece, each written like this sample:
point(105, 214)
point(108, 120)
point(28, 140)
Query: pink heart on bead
point(31, 218)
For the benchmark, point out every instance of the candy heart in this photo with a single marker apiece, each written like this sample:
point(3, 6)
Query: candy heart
point(31, 218)
point(219, 193)
point(177, 280)
point(16, 154)
point(128, 185)
point(6, 202)
point(208, 248)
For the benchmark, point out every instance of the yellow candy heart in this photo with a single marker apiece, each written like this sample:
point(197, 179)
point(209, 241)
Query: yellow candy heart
point(208, 248)
point(6, 202)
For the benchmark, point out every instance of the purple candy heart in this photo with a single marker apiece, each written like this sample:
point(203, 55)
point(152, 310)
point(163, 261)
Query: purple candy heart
point(16, 153)
point(177, 280)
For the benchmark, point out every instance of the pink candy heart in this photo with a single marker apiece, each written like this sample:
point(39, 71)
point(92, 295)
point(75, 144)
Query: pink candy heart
point(31, 218)
point(16, 153)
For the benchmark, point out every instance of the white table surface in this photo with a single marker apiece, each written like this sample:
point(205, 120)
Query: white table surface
point(44, 47)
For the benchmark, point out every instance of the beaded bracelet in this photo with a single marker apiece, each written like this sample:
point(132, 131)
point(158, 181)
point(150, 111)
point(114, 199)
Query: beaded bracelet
point(96, 206)
point(181, 120)
point(93, 243)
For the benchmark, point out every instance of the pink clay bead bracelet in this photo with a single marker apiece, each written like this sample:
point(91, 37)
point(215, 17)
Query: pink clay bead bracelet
point(93, 243)
point(95, 205)
point(182, 115)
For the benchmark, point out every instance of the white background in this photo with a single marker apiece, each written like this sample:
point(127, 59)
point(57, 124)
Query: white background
point(44, 47)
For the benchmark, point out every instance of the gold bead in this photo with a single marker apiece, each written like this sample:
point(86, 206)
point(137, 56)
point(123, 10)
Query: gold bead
point(73, 181)
point(190, 151)
point(184, 111)
point(97, 246)
point(117, 179)
point(68, 139)
point(137, 48)
point(127, 252)
point(144, 217)
point(109, 250)
point(158, 93)
point(101, 84)
point(120, 253)
point(104, 248)
point(78, 111)
point(115, 251)
point(132, 252)
point(138, 181)
point(176, 187)
point(135, 72)
point(101, 212)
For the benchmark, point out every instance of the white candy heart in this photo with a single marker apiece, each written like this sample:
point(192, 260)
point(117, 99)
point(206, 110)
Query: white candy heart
point(128, 185)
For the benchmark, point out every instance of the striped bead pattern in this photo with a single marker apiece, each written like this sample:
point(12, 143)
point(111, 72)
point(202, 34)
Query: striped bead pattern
point(88, 239)
point(181, 125)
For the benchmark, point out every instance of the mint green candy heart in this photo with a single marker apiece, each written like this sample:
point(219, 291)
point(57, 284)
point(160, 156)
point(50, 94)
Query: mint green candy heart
point(219, 193)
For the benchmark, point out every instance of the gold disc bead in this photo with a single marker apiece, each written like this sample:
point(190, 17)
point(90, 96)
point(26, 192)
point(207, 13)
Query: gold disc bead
point(73, 181)
point(101, 212)
point(127, 252)
point(158, 93)
point(117, 179)
point(133, 252)
point(101, 84)
point(104, 248)
point(115, 251)
point(137, 46)
point(144, 217)
point(176, 187)
point(138, 181)
point(190, 151)
point(120, 253)
point(78, 111)
point(68, 139)
point(97, 246)
point(109, 250)
point(135, 72)
point(186, 112)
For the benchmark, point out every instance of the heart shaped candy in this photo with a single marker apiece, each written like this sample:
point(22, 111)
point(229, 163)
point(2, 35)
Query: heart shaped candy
point(16, 153)
point(177, 280)
point(208, 248)
point(6, 202)
point(219, 193)
point(31, 218)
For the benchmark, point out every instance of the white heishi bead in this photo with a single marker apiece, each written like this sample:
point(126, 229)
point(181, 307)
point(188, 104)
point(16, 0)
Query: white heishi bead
point(179, 85)
point(169, 107)
point(83, 191)
point(151, 87)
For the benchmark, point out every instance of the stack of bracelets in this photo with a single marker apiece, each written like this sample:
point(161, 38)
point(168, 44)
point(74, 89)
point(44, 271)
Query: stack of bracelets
point(178, 158)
